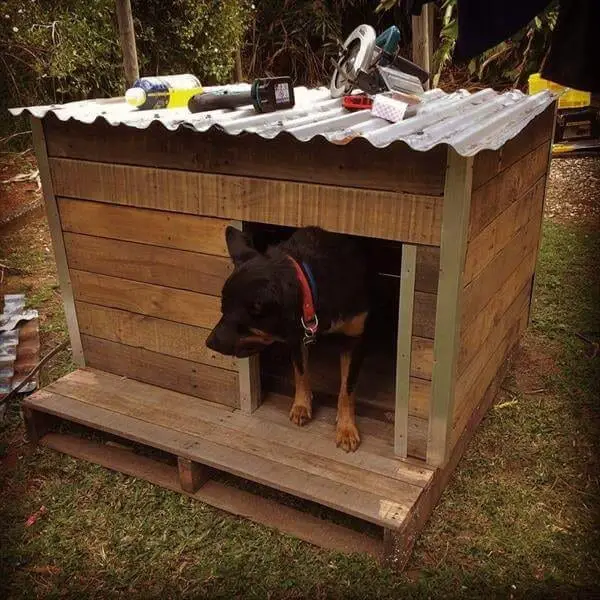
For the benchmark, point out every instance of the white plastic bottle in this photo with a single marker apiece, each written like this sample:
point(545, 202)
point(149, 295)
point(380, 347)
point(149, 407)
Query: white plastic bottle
point(173, 91)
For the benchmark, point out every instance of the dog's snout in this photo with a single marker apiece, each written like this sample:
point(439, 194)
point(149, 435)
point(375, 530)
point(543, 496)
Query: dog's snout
point(221, 339)
point(211, 342)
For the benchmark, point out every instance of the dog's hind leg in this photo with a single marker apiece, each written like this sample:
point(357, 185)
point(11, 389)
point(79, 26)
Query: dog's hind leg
point(347, 436)
point(301, 411)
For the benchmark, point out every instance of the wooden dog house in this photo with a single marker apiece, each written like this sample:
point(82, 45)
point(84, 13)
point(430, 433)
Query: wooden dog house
point(137, 212)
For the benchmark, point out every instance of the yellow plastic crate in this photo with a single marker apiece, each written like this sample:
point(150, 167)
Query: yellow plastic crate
point(568, 97)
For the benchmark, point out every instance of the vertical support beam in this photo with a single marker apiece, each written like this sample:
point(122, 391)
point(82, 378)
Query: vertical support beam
point(248, 372)
point(446, 345)
point(239, 74)
point(249, 378)
point(422, 38)
point(192, 475)
point(554, 109)
point(403, 348)
point(127, 35)
point(37, 424)
point(39, 146)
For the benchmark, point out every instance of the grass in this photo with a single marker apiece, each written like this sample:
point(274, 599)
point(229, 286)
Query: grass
point(519, 518)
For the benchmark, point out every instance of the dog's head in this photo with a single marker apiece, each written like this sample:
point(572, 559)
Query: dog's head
point(252, 302)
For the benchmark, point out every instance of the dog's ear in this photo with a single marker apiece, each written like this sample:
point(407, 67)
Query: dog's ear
point(239, 246)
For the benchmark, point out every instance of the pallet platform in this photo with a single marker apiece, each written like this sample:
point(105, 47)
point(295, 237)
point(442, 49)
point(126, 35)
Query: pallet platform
point(265, 447)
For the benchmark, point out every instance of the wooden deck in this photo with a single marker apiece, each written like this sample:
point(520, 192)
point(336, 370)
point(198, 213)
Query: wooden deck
point(265, 447)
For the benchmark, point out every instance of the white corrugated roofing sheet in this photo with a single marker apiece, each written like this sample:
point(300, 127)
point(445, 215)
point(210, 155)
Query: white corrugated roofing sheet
point(467, 122)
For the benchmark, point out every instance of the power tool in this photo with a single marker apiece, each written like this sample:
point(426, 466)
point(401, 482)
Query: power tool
point(372, 63)
point(266, 95)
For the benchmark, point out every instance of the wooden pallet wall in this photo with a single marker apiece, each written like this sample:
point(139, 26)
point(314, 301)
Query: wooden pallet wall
point(146, 285)
point(503, 240)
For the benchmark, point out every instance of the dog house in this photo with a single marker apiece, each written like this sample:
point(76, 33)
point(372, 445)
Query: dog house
point(451, 203)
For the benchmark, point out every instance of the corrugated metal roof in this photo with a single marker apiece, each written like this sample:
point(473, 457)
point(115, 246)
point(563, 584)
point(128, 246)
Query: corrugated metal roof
point(467, 122)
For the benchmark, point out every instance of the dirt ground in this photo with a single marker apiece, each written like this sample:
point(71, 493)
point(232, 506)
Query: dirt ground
point(573, 194)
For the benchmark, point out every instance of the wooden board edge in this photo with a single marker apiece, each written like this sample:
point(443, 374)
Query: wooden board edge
point(60, 254)
point(540, 230)
point(404, 348)
point(264, 511)
point(248, 371)
point(410, 218)
point(446, 345)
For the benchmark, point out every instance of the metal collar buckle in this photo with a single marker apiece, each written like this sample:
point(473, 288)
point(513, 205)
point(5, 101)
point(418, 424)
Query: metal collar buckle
point(310, 330)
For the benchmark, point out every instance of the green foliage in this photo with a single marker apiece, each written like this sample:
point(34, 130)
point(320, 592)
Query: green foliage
point(297, 38)
point(508, 63)
point(55, 51)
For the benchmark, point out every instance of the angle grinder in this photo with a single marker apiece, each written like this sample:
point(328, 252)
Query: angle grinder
point(266, 95)
point(371, 62)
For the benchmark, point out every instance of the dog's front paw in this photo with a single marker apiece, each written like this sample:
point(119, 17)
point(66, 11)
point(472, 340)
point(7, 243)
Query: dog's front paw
point(300, 413)
point(347, 436)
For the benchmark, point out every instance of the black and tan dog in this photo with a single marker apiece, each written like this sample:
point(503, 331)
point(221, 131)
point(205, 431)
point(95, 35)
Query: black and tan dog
point(314, 283)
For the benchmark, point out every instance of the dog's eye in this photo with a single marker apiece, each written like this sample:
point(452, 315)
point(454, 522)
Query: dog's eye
point(255, 310)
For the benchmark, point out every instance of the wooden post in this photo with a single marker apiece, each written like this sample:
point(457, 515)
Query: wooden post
point(192, 475)
point(239, 75)
point(403, 348)
point(37, 424)
point(446, 345)
point(127, 35)
point(554, 109)
point(248, 373)
point(422, 39)
point(60, 255)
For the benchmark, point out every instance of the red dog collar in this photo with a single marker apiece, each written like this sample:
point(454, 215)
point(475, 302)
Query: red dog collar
point(309, 319)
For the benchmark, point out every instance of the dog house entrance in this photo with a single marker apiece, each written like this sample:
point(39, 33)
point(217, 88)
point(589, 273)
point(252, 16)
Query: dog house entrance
point(376, 389)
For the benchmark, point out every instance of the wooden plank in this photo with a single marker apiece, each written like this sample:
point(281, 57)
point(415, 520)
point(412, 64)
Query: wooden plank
point(377, 437)
point(158, 335)
point(154, 227)
point(403, 349)
point(249, 373)
point(97, 383)
point(497, 336)
point(489, 163)
point(428, 269)
point(541, 216)
point(424, 314)
point(262, 510)
point(421, 363)
point(422, 39)
point(64, 280)
point(181, 306)
point(496, 235)
point(479, 291)
point(192, 475)
point(386, 258)
point(314, 455)
point(107, 391)
point(457, 198)
point(375, 391)
point(195, 379)
point(500, 192)
point(370, 506)
point(397, 167)
point(389, 215)
point(37, 424)
point(473, 336)
point(471, 398)
point(152, 264)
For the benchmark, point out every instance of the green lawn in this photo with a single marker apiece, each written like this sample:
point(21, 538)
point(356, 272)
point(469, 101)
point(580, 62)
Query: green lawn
point(519, 518)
